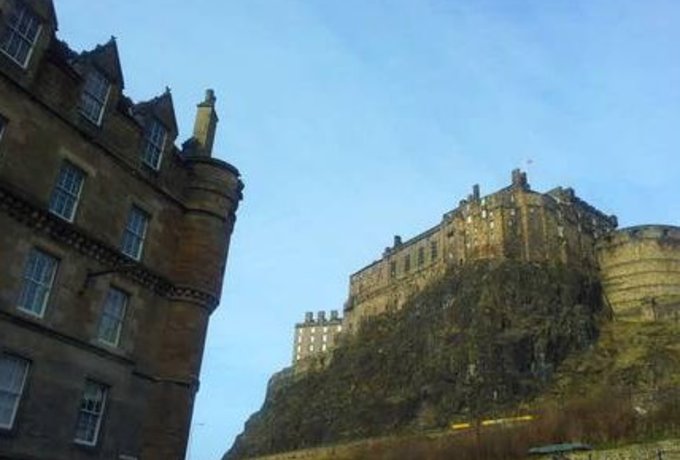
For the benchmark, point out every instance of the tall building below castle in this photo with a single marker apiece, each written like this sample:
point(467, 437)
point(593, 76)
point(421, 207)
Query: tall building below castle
point(113, 244)
point(315, 336)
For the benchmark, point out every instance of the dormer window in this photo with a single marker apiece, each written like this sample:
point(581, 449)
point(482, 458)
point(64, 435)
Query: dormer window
point(154, 142)
point(95, 94)
point(20, 35)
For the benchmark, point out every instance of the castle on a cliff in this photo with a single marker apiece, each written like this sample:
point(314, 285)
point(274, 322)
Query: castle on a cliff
point(639, 267)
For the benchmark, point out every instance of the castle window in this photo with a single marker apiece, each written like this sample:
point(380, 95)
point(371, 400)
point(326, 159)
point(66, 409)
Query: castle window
point(66, 193)
point(13, 371)
point(339, 328)
point(154, 143)
point(135, 232)
point(37, 284)
point(325, 338)
point(393, 269)
point(20, 35)
point(113, 314)
point(90, 413)
point(94, 96)
point(433, 250)
point(483, 213)
point(407, 263)
point(311, 348)
point(3, 123)
point(421, 256)
point(323, 347)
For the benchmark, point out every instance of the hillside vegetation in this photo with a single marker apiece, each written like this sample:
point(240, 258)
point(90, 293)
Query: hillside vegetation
point(482, 340)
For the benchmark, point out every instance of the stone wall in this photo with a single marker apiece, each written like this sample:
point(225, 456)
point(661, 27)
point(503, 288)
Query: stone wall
point(640, 269)
point(151, 374)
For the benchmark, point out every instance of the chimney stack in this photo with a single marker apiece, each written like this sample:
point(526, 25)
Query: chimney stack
point(475, 192)
point(519, 179)
point(206, 124)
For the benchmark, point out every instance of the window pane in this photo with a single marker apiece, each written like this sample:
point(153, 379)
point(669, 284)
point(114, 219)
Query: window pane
point(20, 35)
point(113, 314)
point(134, 233)
point(94, 96)
point(3, 122)
point(153, 144)
point(90, 413)
point(37, 282)
point(66, 192)
point(12, 376)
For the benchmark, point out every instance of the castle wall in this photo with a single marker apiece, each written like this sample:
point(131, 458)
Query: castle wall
point(514, 222)
point(640, 269)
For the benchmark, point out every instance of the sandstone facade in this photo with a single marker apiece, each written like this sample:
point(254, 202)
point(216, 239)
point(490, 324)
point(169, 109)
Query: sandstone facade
point(113, 245)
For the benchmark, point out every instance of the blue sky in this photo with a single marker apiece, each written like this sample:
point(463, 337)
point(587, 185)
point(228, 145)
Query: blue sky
point(353, 120)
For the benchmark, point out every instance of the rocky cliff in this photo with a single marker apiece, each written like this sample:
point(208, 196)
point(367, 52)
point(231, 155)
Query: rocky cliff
point(484, 337)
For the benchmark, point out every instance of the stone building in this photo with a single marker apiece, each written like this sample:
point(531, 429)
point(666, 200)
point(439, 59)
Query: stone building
point(515, 222)
point(315, 336)
point(113, 244)
point(640, 270)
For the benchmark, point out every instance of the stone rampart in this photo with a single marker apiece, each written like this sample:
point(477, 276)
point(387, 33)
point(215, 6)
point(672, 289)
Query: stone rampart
point(640, 268)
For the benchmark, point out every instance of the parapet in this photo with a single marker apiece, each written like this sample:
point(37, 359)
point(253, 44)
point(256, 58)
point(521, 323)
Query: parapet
point(662, 233)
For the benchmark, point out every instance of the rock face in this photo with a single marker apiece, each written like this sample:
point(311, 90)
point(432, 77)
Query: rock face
point(485, 336)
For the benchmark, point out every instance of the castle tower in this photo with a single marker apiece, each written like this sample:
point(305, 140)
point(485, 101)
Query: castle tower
point(211, 198)
point(640, 268)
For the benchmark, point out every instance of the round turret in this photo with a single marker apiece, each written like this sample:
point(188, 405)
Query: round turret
point(640, 268)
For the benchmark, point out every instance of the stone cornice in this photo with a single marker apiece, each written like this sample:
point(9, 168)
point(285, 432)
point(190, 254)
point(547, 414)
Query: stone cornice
point(23, 210)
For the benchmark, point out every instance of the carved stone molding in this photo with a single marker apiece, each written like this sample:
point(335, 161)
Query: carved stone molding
point(32, 215)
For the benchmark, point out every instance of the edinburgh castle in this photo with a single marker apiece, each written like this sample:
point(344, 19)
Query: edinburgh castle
point(639, 267)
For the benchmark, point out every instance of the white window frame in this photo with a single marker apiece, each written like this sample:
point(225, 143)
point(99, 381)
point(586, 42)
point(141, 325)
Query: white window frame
point(119, 320)
point(12, 32)
point(72, 195)
point(97, 99)
point(100, 414)
point(17, 394)
point(154, 144)
point(129, 231)
point(28, 280)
